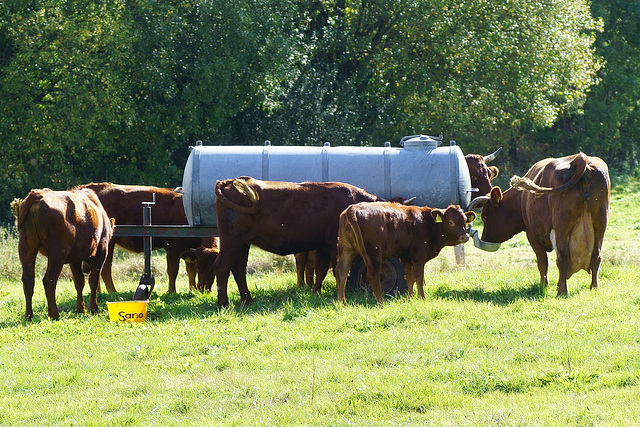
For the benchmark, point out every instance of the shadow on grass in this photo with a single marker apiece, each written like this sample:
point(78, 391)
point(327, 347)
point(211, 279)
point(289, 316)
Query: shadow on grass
point(290, 302)
point(502, 296)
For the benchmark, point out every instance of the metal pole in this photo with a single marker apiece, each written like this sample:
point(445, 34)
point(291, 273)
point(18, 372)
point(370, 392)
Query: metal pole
point(146, 220)
point(143, 292)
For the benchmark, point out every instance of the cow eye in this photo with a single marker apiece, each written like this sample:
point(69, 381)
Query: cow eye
point(451, 223)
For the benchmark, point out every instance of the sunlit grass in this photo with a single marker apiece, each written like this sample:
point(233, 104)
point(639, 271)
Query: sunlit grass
point(487, 346)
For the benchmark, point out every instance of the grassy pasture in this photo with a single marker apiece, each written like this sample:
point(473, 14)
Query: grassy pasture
point(487, 346)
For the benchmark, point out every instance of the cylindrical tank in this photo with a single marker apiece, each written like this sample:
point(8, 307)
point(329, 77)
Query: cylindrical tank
point(435, 175)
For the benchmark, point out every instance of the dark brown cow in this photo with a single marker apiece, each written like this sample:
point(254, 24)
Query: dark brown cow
point(377, 231)
point(67, 227)
point(279, 217)
point(124, 203)
point(563, 205)
point(206, 255)
point(306, 261)
point(481, 174)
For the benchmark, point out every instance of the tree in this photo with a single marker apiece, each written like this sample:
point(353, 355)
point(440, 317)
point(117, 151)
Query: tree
point(480, 71)
point(116, 90)
point(610, 124)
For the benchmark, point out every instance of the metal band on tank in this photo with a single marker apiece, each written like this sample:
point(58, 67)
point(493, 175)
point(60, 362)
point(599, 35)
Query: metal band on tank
point(387, 171)
point(325, 161)
point(455, 189)
point(195, 184)
point(265, 160)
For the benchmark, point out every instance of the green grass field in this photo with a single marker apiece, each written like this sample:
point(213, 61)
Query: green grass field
point(487, 346)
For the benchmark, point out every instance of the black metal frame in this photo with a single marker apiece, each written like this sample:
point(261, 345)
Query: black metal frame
point(147, 232)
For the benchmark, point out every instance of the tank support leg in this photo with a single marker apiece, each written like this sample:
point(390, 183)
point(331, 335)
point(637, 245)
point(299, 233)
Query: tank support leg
point(147, 282)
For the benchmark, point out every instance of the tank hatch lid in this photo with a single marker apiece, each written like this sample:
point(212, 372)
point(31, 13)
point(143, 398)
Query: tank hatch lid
point(421, 141)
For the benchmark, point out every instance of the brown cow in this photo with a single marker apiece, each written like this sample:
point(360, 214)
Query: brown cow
point(481, 174)
point(306, 261)
point(124, 203)
point(67, 227)
point(206, 255)
point(564, 207)
point(377, 231)
point(279, 217)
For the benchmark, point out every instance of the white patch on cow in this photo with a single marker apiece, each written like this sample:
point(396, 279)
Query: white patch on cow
point(552, 237)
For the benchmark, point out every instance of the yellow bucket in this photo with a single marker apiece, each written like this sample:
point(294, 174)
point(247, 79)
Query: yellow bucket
point(127, 311)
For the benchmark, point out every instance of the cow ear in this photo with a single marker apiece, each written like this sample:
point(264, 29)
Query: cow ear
point(437, 215)
point(471, 216)
point(495, 195)
point(494, 172)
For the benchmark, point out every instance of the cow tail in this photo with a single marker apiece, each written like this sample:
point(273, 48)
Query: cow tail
point(15, 210)
point(244, 189)
point(352, 219)
point(23, 207)
point(525, 184)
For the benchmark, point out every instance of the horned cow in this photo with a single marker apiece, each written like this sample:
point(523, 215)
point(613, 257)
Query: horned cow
point(279, 217)
point(562, 204)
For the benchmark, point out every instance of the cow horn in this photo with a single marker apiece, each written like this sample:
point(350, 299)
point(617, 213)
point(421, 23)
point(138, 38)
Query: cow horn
point(477, 202)
point(491, 156)
point(408, 201)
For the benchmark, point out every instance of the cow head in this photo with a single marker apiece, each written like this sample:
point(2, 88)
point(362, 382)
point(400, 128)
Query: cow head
point(500, 221)
point(453, 222)
point(481, 174)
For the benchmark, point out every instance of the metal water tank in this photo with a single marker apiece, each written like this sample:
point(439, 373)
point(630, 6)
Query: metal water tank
point(421, 167)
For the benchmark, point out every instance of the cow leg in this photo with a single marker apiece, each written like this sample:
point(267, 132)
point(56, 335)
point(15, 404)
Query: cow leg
point(107, 275)
point(341, 271)
point(323, 259)
point(563, 261)
point(28, 256)
point(600, 226)
point(94, 277)
point(595, 266)
point(418, 275)
point(542, 260)
point(192, 273)
point(308, 273)
point(373, 276)
point(222, 267)
point(301, 264)
point(409, 277)
point(239, 271)
point(173, 265)
point(50, 280)
point(78, 281)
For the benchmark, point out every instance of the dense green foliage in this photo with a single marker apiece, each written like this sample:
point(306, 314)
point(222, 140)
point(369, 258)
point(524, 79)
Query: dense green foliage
point(485, 347)
point(117, 89)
